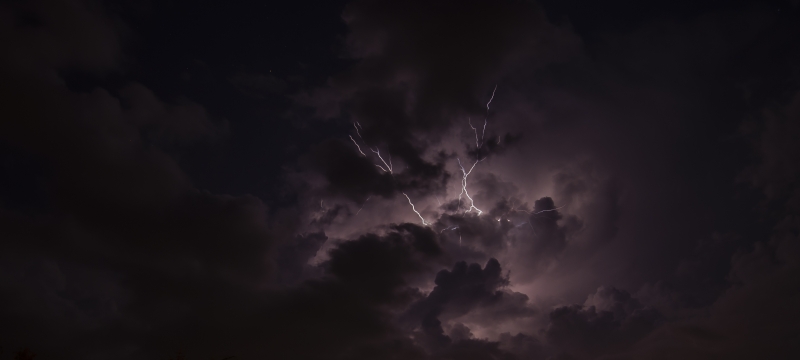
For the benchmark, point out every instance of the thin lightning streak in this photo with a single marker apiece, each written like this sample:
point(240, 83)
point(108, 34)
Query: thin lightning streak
point(478, 145)
point(541, 211)
point(452, 228)
point(477, 142)
point(512, 210)
point(415, 210)
point(357, 132)
point(483, 134)
point(464, 187)
point(532, 213)
point(359, 147)
point(486, 120)
point(388, 165)
point(362, 206)
point(491, 98)
point(538, 212)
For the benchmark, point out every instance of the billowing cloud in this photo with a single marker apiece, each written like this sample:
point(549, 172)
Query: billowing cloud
point(622, 197)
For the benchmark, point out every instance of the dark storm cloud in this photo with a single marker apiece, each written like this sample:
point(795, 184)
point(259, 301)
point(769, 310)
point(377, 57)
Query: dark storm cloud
point(494, 145)
point(475, 350)
point(753, 316)
point(377, 266)
point(410, 83)
point(461, 289)
point(169, 125)
point(121, 237)
point(326, 216)
point(612, 321)
point(346, 313)
point(544, 219)
point(292, 259)
point(112, 250)
point(350, 312)
point(582, 182)
point(349, 174)
point(357, 177)
point(521, 345)
point(441, 65)
point(484, 233)
point(481, 233)
point(641, 178)
point(534, 237)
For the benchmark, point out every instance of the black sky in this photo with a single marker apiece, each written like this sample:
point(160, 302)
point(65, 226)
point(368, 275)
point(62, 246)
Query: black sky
point(194, 180)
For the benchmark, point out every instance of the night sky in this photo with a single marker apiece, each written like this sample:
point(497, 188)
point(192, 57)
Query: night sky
point(419, 179)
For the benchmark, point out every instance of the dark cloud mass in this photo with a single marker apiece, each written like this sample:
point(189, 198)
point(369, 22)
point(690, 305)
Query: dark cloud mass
point(610, 321)
point(441, 180)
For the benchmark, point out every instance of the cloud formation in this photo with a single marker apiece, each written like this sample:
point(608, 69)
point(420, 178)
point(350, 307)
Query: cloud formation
point(637, 191)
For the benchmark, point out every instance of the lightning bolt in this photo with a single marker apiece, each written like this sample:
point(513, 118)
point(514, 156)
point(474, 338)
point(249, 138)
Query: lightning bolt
point(483, 133)
point(358, 147)
point(388, 167)
point(415, 210)
point(362, 206)
point(513, 209)
point(491, 98)
point(452, 228)
point(357, 126)
point(478, 144)
point(464, 187)
point(541, 211)
point(486, 119)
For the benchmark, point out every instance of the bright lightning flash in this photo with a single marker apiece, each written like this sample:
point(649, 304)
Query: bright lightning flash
point(464, 187)
point(415, 210)
point(478, 144)
point(387, 166)
point(357, 147)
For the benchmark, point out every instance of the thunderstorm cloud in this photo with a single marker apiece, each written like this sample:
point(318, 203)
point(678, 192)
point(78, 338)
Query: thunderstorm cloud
point(399, 180)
